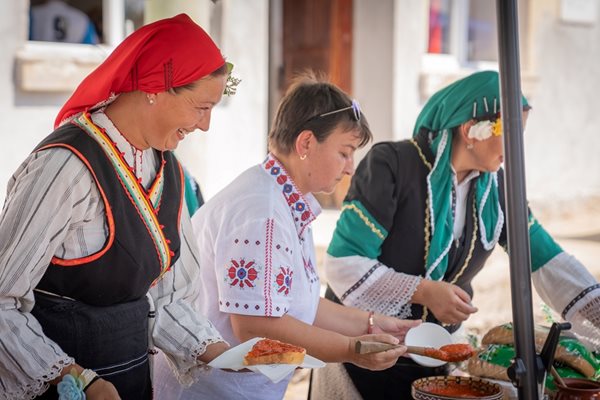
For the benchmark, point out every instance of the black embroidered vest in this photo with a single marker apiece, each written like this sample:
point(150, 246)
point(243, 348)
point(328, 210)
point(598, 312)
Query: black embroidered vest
point(143, 240)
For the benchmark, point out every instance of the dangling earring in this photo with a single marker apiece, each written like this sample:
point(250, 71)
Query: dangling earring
point(469, 146)
point(303, 157)
point(150, 100)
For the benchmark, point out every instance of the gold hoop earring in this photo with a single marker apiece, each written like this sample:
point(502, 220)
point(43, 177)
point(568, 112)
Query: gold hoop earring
point(303, 157)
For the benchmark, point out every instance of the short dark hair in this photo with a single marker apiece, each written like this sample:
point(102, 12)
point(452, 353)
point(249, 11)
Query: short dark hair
point(307, 97)
point(221, 71)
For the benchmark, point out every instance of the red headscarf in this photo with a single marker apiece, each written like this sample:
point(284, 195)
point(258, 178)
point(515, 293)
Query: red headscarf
point(164, 54)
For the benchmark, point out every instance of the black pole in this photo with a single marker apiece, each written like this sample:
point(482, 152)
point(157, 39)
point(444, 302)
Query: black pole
point(525, 364)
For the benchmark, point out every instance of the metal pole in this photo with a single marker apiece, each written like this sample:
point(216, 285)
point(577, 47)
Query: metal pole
point(525, 366)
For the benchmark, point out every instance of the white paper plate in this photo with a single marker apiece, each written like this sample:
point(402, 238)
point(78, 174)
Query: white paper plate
point(427, 335)
point(234, 359)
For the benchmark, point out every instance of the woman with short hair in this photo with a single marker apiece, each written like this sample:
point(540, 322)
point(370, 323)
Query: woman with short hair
point(259, 270)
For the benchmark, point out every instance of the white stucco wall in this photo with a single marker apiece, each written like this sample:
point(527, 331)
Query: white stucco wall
point(559, 69)
point(410, 36)
point(563, 136)
point(372, 74)
point(235, 141)
point(23, 123)
point(237, 138)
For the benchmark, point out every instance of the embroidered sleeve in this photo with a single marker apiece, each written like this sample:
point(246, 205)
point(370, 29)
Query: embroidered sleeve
point(47, 197)
point(179, 329)
point(369, 285)
point(254, 268)
point(574, 280)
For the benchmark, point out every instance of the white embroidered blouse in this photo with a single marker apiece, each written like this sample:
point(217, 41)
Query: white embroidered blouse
point(257, 257)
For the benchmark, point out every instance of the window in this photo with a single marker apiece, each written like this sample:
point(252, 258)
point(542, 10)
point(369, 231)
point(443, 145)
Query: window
point(439, 27)
point(84, 21)
point(463, 29)
point(466, 30)
point(69, 38)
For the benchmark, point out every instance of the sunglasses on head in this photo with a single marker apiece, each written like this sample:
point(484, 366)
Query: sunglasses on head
point(355, 107)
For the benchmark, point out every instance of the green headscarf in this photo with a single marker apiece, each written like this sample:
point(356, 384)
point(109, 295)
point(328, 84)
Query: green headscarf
point(475, 96)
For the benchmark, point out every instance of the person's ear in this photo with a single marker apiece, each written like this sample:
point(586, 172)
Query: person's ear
point(304, 143)
point(463, 130)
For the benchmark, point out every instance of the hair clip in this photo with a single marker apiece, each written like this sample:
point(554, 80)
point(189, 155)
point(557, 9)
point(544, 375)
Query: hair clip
point(485, 105)
point(474, 109)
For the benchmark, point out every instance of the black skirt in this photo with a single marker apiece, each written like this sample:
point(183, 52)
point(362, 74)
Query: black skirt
point(112, 341)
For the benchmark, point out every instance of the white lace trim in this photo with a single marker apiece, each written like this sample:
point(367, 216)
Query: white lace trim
point(591, 310)
point(40, 384)
point(368, 284)
point(586, 320)
point(588, 306)
point(388, 293)
point(438, 260)
point(187, 376)
point(440, 150)
point(489, 245)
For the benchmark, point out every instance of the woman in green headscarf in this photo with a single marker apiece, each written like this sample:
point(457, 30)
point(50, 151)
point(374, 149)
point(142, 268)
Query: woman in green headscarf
point(419, 221)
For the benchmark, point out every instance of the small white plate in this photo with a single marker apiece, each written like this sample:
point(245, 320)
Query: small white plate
point(234, 359)
point(427, 335)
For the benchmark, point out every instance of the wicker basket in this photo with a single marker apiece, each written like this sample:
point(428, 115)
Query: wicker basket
point(481, 389)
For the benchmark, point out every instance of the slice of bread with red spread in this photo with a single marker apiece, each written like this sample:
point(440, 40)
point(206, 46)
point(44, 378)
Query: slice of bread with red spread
point(270, 351)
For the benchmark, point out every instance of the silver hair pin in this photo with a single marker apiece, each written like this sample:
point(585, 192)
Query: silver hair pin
point(485, 105)
point(474, 109)
point(494, 105)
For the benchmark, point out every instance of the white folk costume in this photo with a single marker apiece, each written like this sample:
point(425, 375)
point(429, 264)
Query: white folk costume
point(97, 258)
point(406, 218)
point(257, 257)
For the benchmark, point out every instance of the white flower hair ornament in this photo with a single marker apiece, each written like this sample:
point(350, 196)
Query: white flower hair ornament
point(483, 130)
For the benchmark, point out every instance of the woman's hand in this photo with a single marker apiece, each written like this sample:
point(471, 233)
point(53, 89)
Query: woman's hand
point(393, 326)
point(102, 390)
point(376, 361)
point(213, 351)
point(448, 303)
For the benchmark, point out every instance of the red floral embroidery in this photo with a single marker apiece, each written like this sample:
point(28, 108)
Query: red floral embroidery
point(242, 273)
point(284, 280)
point(301, 211)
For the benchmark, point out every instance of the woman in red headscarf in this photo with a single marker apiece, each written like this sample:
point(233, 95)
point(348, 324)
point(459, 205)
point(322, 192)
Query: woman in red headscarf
point(96, 258)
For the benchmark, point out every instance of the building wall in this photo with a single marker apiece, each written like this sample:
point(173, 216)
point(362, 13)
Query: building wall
point(22, 125)
point(559, 76)
point(236, 139)
point(562, 137)
point(373, 56)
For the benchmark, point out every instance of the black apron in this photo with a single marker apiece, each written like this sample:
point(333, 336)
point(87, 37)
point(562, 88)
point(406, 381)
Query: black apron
point(112, 341)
